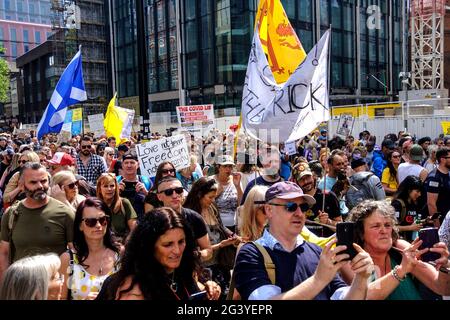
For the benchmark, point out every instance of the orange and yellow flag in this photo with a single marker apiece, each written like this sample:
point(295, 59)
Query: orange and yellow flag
point(278, 39)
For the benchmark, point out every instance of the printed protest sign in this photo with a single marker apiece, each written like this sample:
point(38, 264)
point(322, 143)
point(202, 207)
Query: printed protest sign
point(151, 154)
point(96, 124)
point(289, 148)
point(196, 118)
point(345, 125)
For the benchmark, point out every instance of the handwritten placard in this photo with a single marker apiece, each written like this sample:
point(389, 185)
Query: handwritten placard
point(151, 154)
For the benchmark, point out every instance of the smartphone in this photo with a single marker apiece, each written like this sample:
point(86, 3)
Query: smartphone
point(131, 186)
point(429, 236)
point(198, 296)
point(345, 233)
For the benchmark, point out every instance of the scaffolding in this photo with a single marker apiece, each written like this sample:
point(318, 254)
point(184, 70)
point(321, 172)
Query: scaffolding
point(83, 22)
point(427, 44)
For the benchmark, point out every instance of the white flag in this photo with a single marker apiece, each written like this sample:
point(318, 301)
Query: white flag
point(296, 107)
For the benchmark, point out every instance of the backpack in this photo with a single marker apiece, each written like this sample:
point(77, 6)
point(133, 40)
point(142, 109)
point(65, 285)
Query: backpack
point(359, 192)
point(268, 263)
point(13, 217)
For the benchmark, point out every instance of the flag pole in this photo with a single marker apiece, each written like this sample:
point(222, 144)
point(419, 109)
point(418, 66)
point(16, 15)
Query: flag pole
point(328, 123)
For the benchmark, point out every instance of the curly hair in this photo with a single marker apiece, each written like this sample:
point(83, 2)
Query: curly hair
point(139, 260)
point(364, 210)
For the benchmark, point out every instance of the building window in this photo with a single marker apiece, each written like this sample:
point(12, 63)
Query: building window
point(26, 37)
point(13, 34)
point(37, 37)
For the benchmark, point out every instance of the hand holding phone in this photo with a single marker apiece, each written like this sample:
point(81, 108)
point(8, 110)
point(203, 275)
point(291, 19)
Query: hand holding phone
point(429, 237)
point(345, 233)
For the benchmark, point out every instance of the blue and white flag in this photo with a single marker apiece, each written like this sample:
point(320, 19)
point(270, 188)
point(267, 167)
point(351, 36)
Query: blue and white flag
point(69, 90)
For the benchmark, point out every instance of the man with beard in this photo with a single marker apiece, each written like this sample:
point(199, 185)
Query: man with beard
point(36, 225)
point(270, 159)
point(336, 166)
point(330, 215)
point(89, 165)
point(437, 185)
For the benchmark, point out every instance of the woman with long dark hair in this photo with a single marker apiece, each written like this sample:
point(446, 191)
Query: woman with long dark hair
point(389, 175)
point(95, 255)
point(159, 263)
point(201, 199)
point(407, 207)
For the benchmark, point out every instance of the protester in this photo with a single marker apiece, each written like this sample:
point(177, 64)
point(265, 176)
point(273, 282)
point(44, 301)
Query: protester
point(412, 167)
point(38, 213)
point(252, 215)
point(201, 199)
point(398, 266)
point(408, 211)
point(123, 217)
point(95, 255)
point(229, 192)
point(64, 187)
point(165, 168)
point(89, 165)
point(303, 270)
point(159, 262)
point(33, 278)
point(389, 175)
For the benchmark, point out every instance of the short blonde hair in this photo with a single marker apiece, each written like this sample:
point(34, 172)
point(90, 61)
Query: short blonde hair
point(61, 177)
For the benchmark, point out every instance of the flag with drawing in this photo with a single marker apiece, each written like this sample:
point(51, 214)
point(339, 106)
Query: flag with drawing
point(293, 108)
point(69, 90)
point(278, 39)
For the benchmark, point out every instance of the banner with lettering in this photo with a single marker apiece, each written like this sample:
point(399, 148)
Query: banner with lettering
point(196, 118)
point(288, 112)
point(151, 154)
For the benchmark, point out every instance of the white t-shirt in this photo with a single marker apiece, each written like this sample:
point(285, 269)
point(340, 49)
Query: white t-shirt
point(408, 169)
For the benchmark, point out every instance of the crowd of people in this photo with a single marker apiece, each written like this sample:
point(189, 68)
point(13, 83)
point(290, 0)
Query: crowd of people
point(80, 221)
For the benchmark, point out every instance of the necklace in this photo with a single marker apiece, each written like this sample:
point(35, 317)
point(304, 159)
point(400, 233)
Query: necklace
point(100, 269)
point(173, 285)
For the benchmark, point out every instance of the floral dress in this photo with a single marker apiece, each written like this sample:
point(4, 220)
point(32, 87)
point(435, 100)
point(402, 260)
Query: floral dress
point(81, 282)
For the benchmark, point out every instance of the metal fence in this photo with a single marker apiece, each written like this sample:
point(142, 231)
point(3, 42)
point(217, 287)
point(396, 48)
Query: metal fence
point(418, 117)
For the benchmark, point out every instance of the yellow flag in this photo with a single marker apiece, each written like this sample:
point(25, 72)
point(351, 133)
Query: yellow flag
point(114, 120)
point(278, 39)
point(445, 127)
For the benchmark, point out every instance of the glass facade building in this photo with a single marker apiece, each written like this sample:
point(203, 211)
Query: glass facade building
point(366, 53)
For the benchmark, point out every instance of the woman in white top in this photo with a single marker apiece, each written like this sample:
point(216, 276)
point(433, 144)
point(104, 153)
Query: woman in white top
point(229, 192)
point(430, 164)
point(96, 254)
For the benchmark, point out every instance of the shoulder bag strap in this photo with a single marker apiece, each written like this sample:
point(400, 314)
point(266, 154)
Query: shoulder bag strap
point(268, 263)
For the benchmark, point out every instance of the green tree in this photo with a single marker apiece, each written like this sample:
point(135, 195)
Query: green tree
point(4, 77)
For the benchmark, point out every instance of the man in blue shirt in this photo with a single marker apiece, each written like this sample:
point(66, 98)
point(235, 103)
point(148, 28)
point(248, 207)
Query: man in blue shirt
point(302, 269)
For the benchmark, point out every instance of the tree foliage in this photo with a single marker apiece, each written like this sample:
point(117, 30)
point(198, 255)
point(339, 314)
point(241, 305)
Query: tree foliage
point(4, 78)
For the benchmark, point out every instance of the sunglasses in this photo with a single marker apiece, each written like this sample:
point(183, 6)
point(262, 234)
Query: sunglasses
point(92, 222)
point(396, 156)
point(169, 192)
point(166, 171)
point(22, 161)
point(72, 185)
point(86, 147)
point(292, 206)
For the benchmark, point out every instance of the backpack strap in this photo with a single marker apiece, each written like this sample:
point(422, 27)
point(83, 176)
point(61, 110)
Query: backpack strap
point(268, 263)
point(12, 221)
point(403, 212)
point(70, 274)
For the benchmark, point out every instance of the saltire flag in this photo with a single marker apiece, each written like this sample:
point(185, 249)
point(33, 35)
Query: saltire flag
point(278, 39)
point(69, 90)
point(294, 108)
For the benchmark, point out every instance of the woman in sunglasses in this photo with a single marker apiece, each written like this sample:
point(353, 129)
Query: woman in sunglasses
point(159, 262)
point(14, 190)
point(64, 188)
point(201, 199)
point(123, 215)
point(165, 169)
point(109, 155)
point(389, 176)
point(96, 254)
